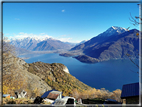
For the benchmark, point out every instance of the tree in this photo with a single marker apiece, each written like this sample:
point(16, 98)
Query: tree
point(75, 93)
point(137, 20)
point(7, 47)
point(12, 80)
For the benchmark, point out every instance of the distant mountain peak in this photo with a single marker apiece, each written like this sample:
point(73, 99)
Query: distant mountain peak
point(118, 28)
point(113, 30)
point(115, 27)
point(82, 42)
point(39, 43)
point(30, 38)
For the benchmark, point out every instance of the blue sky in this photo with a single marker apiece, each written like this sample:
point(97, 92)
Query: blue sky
point(72, 22)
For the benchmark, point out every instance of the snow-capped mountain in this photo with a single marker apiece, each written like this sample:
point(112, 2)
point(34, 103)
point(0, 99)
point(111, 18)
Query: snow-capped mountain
point(44, 43)
point(39, 44)
point(114, 43)
point(110, 32)
point(114, 30)
point(38, 38)
point(27, 43)
point(82, 42)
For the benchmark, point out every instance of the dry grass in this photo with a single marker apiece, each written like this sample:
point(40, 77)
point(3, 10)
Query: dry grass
point(17, 101)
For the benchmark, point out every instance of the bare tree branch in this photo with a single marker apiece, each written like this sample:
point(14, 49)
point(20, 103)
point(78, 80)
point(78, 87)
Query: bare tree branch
point(137, 20)
point(128, 55)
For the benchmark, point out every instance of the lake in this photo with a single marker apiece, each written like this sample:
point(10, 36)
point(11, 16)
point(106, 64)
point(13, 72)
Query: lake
point(110, 75)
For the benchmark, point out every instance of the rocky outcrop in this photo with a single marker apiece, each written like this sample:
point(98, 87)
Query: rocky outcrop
point(65, 69)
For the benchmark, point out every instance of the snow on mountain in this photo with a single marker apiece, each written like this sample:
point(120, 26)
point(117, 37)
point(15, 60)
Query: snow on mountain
point(39, 44)
point(114, 43)
point(27, 42)
point(30, 38)
point(114, 30)
point(81, 42)
point(34, 42)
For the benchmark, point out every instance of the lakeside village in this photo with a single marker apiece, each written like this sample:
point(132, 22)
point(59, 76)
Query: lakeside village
point(129, 95)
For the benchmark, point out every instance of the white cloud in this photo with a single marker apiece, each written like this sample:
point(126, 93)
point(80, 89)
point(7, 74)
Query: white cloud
point(42, 36)
point(17, 19)
point(69, 40)
point(22, 35)
point(65, 39)
point(63, 10)
point(77, 41)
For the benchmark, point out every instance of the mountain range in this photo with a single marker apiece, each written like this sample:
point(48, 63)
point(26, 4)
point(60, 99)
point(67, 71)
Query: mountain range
point(114, 43)
point(35, 44)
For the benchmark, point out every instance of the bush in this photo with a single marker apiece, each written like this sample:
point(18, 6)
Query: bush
point(17, 101)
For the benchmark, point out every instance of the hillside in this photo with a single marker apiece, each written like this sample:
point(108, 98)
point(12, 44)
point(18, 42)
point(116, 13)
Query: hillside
point(54, 74)
point(110, 32)
point(111, 44)
point(36, 78)
point(16, 77)
point(116, 47)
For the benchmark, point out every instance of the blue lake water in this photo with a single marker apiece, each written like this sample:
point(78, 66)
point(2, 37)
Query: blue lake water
point(110, 75)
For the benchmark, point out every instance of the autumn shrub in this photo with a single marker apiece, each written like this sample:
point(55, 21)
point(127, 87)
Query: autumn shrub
point(17, 101)
point(100, 94)
point(31, 69)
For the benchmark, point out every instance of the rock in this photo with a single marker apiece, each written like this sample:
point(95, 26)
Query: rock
point(65, 69)
point(21, 95)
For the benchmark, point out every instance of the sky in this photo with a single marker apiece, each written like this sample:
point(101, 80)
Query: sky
point(68, 22)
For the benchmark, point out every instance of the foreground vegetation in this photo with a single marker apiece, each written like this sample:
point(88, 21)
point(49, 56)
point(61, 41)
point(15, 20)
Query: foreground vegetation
point(17, 101)
point(54, 75)
point(20, 101)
